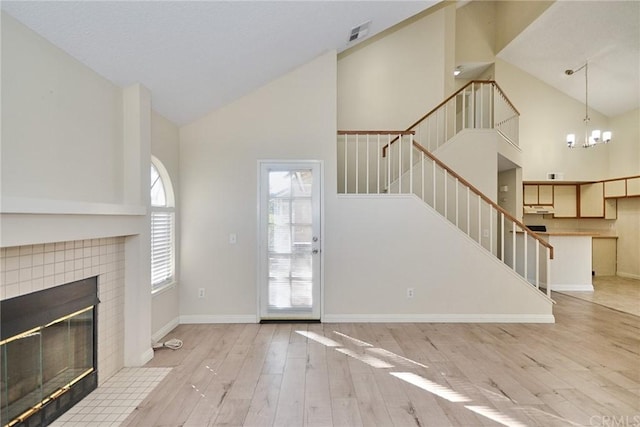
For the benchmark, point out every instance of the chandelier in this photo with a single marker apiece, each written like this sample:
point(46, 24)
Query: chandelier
point(590, 140)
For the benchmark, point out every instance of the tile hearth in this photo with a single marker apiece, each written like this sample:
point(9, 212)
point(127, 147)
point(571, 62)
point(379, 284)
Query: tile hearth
point(112, 402)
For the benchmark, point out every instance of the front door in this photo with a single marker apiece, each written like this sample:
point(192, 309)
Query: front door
point(290, 240)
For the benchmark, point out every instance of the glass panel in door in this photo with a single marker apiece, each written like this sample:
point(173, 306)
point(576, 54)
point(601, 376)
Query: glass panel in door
point(291, 242)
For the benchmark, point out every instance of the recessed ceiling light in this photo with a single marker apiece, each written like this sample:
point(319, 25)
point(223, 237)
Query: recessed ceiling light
point(359, 32)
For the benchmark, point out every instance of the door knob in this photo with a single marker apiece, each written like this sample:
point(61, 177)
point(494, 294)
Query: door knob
point(315, 251)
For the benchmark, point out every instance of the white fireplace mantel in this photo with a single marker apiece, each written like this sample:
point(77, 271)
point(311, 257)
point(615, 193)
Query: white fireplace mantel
point(25, 221)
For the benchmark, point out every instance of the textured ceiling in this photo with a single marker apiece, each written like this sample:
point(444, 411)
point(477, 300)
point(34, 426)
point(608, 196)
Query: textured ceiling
point(569, 33)
point(198, 56)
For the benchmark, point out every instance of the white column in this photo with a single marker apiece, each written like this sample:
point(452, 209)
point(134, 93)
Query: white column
point(137, 158)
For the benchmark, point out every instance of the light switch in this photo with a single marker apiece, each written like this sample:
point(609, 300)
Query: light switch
point(233, 239)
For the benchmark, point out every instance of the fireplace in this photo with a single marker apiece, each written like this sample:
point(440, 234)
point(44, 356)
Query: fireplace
point(48, 352)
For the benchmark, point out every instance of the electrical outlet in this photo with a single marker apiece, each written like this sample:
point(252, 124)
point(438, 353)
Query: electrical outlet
point(485, 233)
point(200, 292)
point(409, 292)
point(233, 238)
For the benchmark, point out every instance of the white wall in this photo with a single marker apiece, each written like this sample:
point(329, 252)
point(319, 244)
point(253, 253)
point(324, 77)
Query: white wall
point(385, 245)
point(475, 32)
point(75, 161)
point(473, 154)
point(546, 116)
point(511, 199)
point(165, 147)
point(50, 148)
point(293, 117)
point(390, 82)
point(624, 151)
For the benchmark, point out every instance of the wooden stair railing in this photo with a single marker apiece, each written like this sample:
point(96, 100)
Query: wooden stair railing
point(497, 123)
point(486, 199)
point(412, 169)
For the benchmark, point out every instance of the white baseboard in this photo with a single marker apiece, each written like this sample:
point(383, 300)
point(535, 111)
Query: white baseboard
point(165, 329)
point(438, 318)
point(212, 318)
point(146, 356)
point(573, 287)
point(628, 275)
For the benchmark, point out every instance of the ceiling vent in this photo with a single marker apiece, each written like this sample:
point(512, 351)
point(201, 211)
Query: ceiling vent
point(359, 32)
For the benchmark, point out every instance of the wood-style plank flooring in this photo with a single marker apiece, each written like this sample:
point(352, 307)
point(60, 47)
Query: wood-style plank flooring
point(614, 292)
point(582, 370)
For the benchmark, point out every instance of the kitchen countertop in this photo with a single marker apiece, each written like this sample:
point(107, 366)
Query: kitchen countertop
point(593, 233)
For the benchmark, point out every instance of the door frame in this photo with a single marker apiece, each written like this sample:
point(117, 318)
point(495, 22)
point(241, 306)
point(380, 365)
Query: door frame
point(261, 237)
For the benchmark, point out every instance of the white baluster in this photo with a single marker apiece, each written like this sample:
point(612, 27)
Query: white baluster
point(502, 236)
point(399, 164)
point(468, 213)
point(537, 264)
point(389, 164)
point(513, 224)
point(434, 165)
point(490, 229)
point(526, 263)
point(410, 164)
point(480, 220)
point(378, 163)
point(446, 192)
point(422, 180)
point(357, 161)
point(346, 164)
point(457, 184)
point(367, 165)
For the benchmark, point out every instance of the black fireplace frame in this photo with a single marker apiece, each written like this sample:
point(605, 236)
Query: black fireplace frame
point(29, 311)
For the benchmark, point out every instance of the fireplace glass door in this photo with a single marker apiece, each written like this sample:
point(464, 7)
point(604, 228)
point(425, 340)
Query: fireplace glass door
point(43, 361)
point(50, 365)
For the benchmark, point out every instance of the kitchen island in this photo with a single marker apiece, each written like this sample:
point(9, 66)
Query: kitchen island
point(570, 268)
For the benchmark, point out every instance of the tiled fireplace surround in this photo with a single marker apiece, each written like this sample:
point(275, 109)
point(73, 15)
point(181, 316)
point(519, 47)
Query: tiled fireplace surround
point(30, 268)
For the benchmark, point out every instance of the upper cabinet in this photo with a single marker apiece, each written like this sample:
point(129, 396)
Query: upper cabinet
point(580, 200)
point(622, 187)
point(592, 200)
point(617, 188)
point(538, 194)
point(565, 201)
point(633, 186)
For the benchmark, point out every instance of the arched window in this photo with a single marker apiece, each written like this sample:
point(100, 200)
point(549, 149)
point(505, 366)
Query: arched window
point(162, 227)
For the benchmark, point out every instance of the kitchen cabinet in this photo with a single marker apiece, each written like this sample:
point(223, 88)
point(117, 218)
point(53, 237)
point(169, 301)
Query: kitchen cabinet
point(565, 201)
point(538, 194)
point(622, 187)
point(633, 186)
point(545, 194)
point(604, 255)
point(615, 188)
point(610, 208)
point(530, 194)
point(592, 200)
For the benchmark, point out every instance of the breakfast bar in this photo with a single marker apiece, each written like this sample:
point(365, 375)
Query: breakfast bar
point(570, 268)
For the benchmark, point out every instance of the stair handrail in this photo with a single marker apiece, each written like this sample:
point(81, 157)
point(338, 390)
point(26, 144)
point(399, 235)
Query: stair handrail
point(456, 93)
point(486, 199)
point(452, 96)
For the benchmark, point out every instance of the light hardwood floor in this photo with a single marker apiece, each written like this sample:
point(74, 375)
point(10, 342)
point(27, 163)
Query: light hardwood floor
point(615, 292)
point(582, 370)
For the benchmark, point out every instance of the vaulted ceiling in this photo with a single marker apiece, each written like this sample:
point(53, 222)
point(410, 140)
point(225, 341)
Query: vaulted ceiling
point(196, 56)
point(570, 33)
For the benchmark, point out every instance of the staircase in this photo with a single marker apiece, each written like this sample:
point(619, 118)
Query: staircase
point(387, 163)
